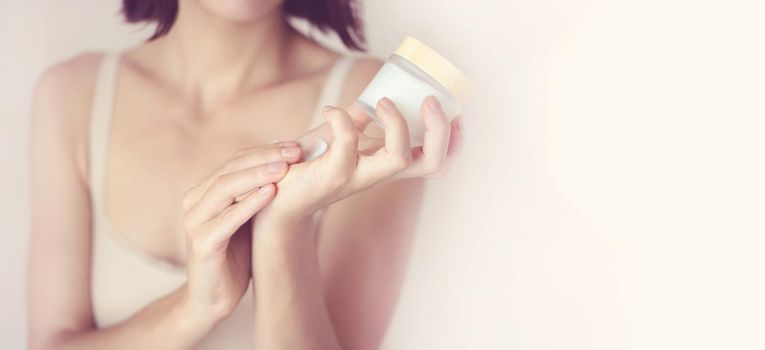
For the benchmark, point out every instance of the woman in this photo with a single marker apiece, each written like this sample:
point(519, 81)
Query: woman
point(148, 167)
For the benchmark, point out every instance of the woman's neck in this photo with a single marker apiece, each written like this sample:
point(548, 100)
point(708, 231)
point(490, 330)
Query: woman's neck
point(211, 59)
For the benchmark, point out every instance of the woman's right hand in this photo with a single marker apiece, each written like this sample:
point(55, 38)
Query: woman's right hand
point(218, 247)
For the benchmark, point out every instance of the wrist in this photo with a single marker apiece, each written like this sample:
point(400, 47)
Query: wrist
point(282, 251)
point(189, 317)
point(272, 235)
point(279, 226)
point(279, 213)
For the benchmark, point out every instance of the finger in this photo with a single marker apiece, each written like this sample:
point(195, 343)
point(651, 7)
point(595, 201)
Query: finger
point(225, 188)
point(456, 137)
point(394, 155)
point(342, 152)
point(396, 131)
point(430, 158)
point(437, 132)
point(359, 116)
point(241, 197)
point(280, 144)
point(368, 145)
point(221, 228)
point(455, 145)
point(287, 151)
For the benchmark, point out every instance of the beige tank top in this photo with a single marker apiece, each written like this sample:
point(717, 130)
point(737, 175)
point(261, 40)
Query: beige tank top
point(126, 279)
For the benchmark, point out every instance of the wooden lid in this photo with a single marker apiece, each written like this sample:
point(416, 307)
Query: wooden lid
point(435, 65)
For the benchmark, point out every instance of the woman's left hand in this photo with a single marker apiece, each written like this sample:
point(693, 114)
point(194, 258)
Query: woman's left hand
point(291, 307)
point(345, 169)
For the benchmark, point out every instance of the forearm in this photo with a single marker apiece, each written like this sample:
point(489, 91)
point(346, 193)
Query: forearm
point(167, 323)
point(290, 311)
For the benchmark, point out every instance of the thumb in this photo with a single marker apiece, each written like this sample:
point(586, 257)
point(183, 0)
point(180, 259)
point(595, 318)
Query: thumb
point(343, 150)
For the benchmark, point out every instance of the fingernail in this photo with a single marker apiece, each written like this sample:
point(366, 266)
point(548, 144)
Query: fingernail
point(386, 103)
point(266, 189)
point(290, 152)
point(276, 167)
point(284, 142)
point(434, 105)
point(327, 108)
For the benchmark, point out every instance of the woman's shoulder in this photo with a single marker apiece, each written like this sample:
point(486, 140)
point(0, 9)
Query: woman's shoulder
point(68, 85)
point(72, 72)
point(361, 73)
point(364, 68)
point(62, 101)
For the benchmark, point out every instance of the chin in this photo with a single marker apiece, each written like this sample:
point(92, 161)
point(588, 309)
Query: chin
point(239, 10)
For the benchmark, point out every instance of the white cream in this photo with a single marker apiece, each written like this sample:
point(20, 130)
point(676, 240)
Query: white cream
point(312, 147)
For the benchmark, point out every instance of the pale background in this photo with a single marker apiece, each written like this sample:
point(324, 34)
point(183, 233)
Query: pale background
point(611, 195)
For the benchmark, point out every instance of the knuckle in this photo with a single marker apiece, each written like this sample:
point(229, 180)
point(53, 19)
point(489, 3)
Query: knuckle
point(334, 113)
point(400, 162)
point(344, 178)
point(407, 156)
point(220, 184)
point(433, 166)
point(240, 153)
point(345, 128)
point(263, 175)
point(275, 154)
point(338, 183)
point(340, 179)
point(353, 134)
point(349, 137)
point(227, 215)
point(438, 175)
point(187, 200)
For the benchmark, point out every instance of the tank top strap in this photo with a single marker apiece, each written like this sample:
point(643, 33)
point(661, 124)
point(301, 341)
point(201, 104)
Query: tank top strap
point(333, 88)
point(100, 126)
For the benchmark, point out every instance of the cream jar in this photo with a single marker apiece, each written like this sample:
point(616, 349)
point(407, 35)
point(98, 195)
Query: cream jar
point(413, 72)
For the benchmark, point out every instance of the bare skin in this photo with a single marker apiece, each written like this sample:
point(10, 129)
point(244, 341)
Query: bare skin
point(195, 112)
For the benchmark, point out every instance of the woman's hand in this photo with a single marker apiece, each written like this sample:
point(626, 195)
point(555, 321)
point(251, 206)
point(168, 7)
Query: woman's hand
point(347, 168)
point(291, 308)
point(218, 247)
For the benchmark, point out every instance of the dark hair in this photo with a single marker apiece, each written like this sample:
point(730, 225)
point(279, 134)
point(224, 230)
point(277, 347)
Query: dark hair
point(339, 16)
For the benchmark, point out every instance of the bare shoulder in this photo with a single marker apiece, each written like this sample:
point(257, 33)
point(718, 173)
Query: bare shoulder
point(61, 103)
point(71, 72)
point(66, 87)
point(362, 72)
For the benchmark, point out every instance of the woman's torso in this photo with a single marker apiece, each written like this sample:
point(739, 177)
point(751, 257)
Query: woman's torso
point(147, 146)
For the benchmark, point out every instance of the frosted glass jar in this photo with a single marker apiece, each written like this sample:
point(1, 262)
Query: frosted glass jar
point(409, 75)
point(413, 72)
